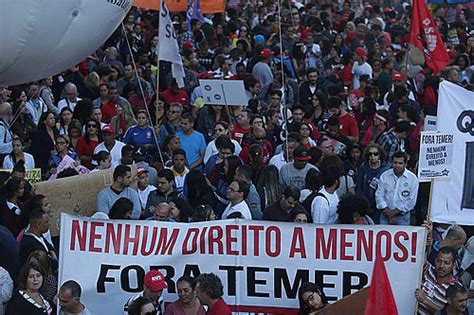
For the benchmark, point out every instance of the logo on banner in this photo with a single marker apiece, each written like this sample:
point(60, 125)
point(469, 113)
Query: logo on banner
point(465, 122)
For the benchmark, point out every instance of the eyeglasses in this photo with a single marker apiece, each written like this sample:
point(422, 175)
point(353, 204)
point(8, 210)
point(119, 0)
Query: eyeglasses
point(373, 154)
point(91, 126)
point(61, 143)
point(151, 313)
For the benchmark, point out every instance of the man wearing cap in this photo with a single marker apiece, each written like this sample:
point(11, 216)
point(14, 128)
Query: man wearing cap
point(110, 145)
point(153, 284)
point(294, 173)
point(360, 66)
point(262, 70)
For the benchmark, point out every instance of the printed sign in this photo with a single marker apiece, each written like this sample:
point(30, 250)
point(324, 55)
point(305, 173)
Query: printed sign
point(436, 156)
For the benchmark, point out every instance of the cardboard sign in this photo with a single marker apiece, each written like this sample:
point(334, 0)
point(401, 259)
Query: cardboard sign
point(75, 195)
point(223, 92)
point(261, 264)
point(436, 156)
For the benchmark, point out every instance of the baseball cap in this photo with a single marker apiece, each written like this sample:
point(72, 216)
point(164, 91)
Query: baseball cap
point(259, 38)
point(206, 75)
point(155, 281)
point(397, 76)
point(108, 128)
point(141, 171)
point(188, 45)
point(266, 53)
point(301, 154)
point(361, 52)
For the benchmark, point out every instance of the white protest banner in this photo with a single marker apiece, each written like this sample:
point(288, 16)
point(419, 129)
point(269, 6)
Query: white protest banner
point(453, 200)
point(262, 264)
point(436, 156)
point(168, 49)
point(430, 123)
point(223, 92)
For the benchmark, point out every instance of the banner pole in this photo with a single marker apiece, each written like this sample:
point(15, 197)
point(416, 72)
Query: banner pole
point(427, 235)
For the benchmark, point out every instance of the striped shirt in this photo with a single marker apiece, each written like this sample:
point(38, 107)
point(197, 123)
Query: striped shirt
point(435, 291)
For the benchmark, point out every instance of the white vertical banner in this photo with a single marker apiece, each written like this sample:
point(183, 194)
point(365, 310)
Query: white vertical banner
point(168, 49)
point(453, 200)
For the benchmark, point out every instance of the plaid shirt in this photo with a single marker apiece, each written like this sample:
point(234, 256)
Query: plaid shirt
point(391, 143)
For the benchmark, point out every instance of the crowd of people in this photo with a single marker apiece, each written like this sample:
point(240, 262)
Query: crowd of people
point(330, 135)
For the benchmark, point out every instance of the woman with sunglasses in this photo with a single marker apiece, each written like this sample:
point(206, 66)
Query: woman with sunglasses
point(368, 175)
point(221, 128)
point(86, 144)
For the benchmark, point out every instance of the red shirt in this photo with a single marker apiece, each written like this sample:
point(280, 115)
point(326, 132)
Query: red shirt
point(181, 98)
point(108, 110)
point(220, 308)
point(82, 148)
point(349, 126)
point(238, 133)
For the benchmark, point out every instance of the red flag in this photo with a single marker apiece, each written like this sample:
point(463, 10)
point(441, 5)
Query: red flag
point(380, 300)
point(425, 36)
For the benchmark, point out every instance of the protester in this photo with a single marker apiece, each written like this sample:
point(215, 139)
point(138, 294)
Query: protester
point(209, 290)
point(311, 298)
point(188, 303)
point(153, 285)
point(165, 191)
point(70, 299)
point(110, 145)
point(324, 205)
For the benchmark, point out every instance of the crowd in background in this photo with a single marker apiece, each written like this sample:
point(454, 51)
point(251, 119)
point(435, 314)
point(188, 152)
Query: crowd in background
point(330, 133)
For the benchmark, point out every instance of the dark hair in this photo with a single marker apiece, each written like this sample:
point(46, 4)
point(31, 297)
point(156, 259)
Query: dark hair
point(352, 204)
point(197, 190)
point(244, 188)
point(446, 250)
point(294, 213)
point(334, 102)
point(74, 287)
point(136, 307)
point(68, 172)
point(330, 175)
point(12, 154)
point(210, 284)
point(43, 118)
point(402, 126)
point(185, 209)
point(120, 208)
point(202, 213)
point(400, 154)
point(313, 180)
point(179, 151)
point(99, 130)
point(166, 173)
point(292, 191)
point(121, 171)
point(188, 116)
point(224, 142)
point(35, 215)
point(246, 171)
point(75, 124)
point(455, 289)
point(36, 202)
point(310, 287)
point(188, 279)
point(12, 186)
point(25, 270)
point(233, 162)
point(333, 121)
point(100, 156)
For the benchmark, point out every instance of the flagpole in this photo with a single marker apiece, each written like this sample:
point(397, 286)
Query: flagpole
point(285, 111)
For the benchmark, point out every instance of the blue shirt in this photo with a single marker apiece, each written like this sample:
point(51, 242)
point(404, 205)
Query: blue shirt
point(136, 135)
point(193, 145)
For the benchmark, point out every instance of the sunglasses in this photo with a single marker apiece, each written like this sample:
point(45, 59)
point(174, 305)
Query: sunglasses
point(151, 313)
point(91, 126)
point(219, 130)
point(61, 143)
point(373, 154)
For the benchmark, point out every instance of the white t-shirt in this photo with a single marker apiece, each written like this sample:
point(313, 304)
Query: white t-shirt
point(211, 149)
point(241, 207)
point(359, 70)
point(324, 210)
point(115, 153)
point(66, 103)
point(29, 161)
point(278, 161)
point(143, 195)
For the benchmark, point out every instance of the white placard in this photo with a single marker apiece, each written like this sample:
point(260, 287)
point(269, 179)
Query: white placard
point(430, 123)
point(223, 92)
point(436, 155)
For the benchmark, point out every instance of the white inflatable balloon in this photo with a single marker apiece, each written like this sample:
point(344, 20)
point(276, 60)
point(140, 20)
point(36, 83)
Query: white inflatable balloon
point(39, 38)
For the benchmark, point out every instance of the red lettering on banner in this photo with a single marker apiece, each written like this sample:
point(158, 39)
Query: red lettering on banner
point(399, 245)
point(143, 250)
point(113, 236)
point(326, 247)
point(128, 239)
point(388, 244)
point(192, 232)
point(216, 240)
point(78, 234)
point(244, 240)
point(345, 244)
point(230, 240)
point(268, 241)
point(94, 236)
point(297, 243)
point(167, 245)
point(202, 240)
point(256, 238)
point(366, 244)
point(413, 246)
